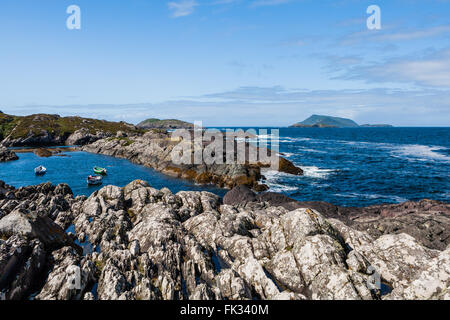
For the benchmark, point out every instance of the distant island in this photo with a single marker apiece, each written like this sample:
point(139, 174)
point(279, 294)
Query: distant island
point(154, 123)
point(320, 121)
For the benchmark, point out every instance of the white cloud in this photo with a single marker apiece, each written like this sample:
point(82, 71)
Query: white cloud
point(387, 34)
point(431, 70)
point(278, 106)
point(416, 34)
point(182, 8)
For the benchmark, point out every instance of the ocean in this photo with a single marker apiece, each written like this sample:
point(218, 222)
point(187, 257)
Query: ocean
point(347, 167)
point(365, 166)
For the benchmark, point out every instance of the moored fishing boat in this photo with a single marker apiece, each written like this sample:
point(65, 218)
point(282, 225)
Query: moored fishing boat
point(99, 170)
point(40, 170)
point(94, 180)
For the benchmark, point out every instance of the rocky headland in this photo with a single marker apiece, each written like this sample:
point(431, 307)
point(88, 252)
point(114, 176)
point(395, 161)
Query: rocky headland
point(40, 130)
point(154, 149)
point(148, 147)
point(139, 243)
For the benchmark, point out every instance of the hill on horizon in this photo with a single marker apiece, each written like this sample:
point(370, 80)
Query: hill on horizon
point(154, 123)
point(327, 121)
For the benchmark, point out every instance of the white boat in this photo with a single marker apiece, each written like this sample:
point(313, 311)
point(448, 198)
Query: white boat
point(94, 180)
point(40, 170)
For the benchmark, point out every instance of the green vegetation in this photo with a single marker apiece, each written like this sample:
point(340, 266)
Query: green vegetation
point(164, 124)
point(100, 264)
point(40, 124)
point(4, 237)
point(327, 121)
point(127, 143)
point(7, 124)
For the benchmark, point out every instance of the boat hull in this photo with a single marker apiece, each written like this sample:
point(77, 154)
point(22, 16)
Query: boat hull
point(94, 180)
point(39, 171)
point(101, 171)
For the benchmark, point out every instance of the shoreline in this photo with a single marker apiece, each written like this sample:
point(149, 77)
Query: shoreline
point(57, 150)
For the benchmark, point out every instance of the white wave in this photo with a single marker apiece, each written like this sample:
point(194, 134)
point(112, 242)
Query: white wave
point(282, 182)
point(276, 175)
point(279, 181)
point(310, 150)
point(281, 139)
point(421, 152)
point(315, 172)
point(413, 152)
point(287, 154)
point(371, 196)
point(277, 187)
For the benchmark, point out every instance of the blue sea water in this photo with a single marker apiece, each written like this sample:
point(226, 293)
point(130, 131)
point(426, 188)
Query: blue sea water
point(75, 167)
point(365, 166)
point(349, 167)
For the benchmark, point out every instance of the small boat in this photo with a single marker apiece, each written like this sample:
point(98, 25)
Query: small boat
point(40, 170)
point(94, 180)
point(99, 170)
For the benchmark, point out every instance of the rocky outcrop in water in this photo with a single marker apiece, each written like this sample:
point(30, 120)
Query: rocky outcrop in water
point(154, 149)
point(141, 243)
point(7, 155)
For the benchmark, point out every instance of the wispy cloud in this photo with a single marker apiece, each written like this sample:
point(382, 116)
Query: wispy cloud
point(415, 34)
point(278, 106)
point(388, 35)
point(182, 8)
point(427, 70)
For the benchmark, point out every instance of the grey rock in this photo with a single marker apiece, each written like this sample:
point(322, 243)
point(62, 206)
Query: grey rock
point(31, 226)
point(149, 244)
point(7, 155)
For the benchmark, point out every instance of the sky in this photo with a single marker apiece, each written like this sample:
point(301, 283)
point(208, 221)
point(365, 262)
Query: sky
point(228, 62)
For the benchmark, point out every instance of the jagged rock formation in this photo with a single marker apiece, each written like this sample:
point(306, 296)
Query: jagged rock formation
point(84, 136)
point(7, 155)
point(143, 243)
point(428, 221)
point(154, 149)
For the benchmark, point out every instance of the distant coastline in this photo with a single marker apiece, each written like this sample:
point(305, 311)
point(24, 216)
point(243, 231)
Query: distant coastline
point(322, 121)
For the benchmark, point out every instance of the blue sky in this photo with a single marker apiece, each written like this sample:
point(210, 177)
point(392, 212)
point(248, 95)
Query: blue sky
point(228, 62)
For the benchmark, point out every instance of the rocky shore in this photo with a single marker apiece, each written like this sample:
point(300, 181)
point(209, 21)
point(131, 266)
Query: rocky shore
point(154, 149)
point(7, 155)
point(139, 243)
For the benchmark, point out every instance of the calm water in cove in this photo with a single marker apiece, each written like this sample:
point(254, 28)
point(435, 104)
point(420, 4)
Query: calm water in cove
point(76, 166)
point(351, 167)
